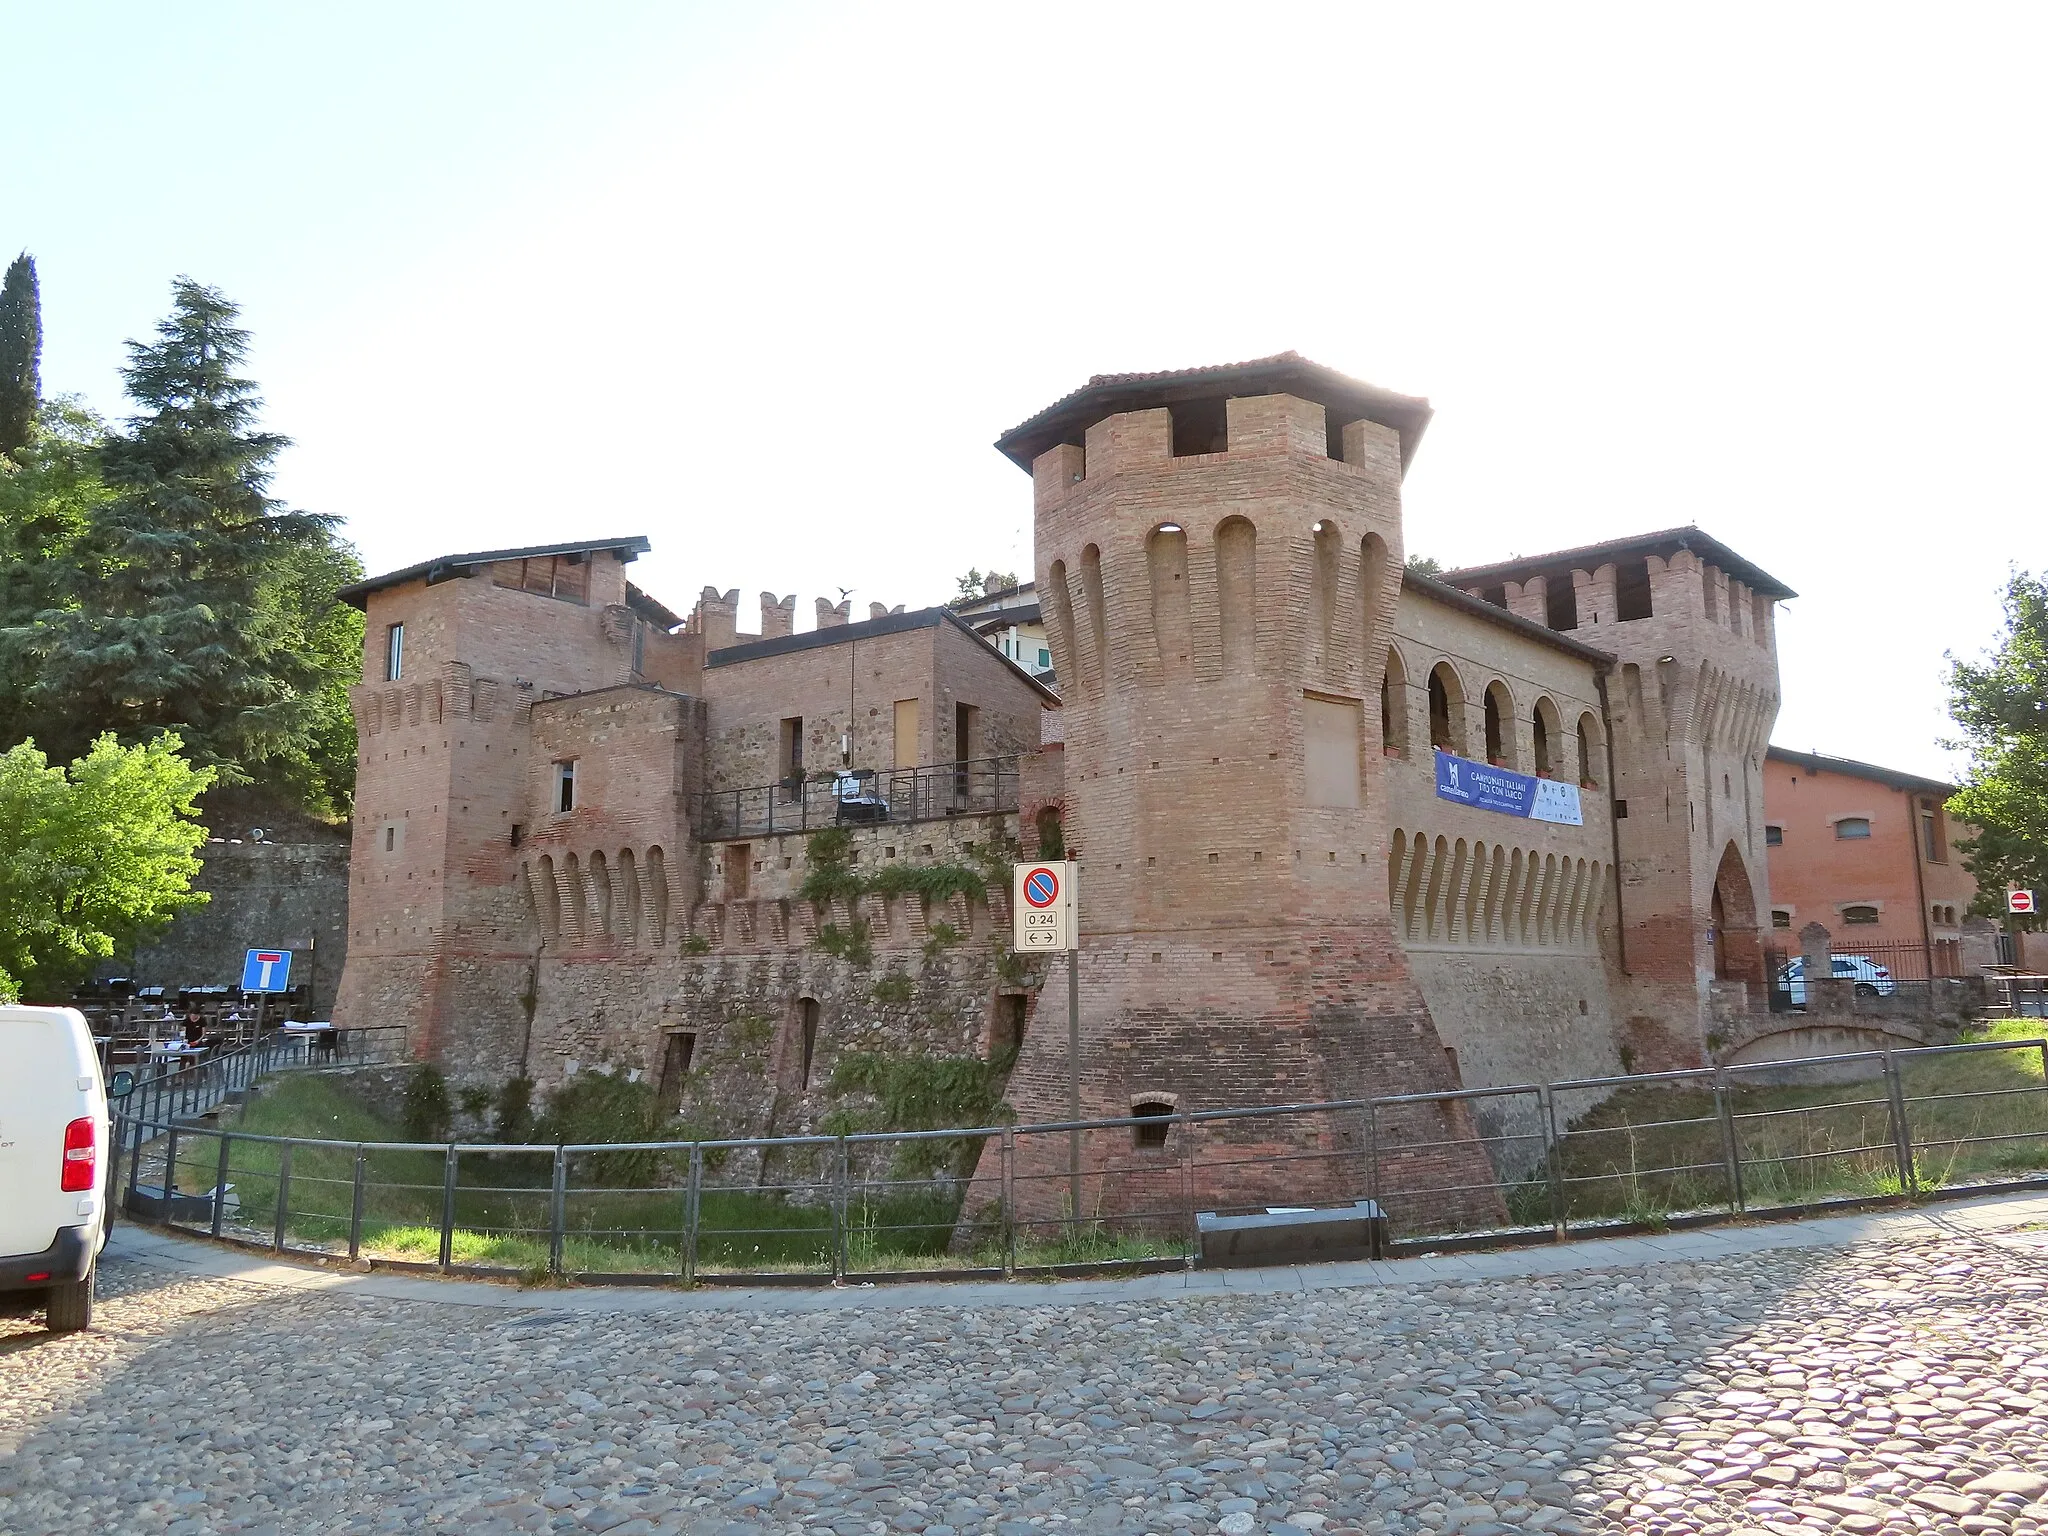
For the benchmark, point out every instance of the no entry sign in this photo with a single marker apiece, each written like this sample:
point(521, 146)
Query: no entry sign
point(1042, 913)
point(2018, 902)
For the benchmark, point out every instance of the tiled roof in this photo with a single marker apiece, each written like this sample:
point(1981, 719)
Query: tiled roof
point(1107, 394)
point(444, 566)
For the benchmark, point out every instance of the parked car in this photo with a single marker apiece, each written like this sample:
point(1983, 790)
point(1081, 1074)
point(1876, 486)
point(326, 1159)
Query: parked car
point(1872, 979)
point(56, 1174)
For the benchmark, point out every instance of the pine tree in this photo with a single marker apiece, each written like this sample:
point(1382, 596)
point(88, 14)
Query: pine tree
point(168, 627)
point(21, 353)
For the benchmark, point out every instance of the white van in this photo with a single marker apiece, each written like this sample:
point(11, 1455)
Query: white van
point(55, 1169)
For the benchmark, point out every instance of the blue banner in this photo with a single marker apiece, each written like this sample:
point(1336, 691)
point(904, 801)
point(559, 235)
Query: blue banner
point(1487, 788)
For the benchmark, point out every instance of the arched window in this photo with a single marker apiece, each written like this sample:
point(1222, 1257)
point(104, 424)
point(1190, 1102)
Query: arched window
point(1500, 717)
point(1052, 834)
point(1589, 752)
point(1850, 827)
point(1859, 916)
point(1153, 1112)
point(1545, 736)
point(1446, 710)
point(1394, 707)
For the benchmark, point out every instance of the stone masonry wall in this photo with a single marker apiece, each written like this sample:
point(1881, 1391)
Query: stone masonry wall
point(279, 895)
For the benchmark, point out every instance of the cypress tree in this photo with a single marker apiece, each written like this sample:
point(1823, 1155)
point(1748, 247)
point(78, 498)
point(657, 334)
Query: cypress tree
point(21, 353)
point(169, 627)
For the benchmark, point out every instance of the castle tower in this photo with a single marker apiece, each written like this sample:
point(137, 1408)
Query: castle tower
point(1219, 554)
point(1691, 700)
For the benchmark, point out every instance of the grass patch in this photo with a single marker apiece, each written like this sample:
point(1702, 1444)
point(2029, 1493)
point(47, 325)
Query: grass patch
point(1651, 1152)
point(503, 1199)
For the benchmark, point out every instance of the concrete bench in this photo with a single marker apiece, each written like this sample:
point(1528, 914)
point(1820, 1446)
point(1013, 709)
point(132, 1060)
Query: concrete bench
point(1320, 1236)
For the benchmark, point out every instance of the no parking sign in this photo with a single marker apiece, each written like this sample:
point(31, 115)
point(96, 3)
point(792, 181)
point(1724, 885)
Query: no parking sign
point(1042, 907)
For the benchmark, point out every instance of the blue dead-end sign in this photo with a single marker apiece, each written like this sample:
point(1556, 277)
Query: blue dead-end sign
point(267, 970)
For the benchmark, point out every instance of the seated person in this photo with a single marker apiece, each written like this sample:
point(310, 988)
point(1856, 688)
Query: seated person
point(195, 1025)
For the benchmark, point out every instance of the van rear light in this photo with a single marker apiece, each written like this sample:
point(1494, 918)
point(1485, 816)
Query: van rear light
point(79, 1155)
point(1882, 971)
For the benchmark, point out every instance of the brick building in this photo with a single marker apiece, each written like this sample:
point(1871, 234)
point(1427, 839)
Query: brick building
point(1866, 852)
point(586, 826)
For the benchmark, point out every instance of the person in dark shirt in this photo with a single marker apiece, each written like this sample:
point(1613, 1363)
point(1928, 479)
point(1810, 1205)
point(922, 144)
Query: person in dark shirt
point(195, 1025)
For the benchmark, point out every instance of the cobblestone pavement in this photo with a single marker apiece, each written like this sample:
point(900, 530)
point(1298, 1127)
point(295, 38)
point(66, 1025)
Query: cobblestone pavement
point(1897, 1386)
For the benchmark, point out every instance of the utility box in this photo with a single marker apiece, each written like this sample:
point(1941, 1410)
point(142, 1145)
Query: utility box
point(1283, 1236)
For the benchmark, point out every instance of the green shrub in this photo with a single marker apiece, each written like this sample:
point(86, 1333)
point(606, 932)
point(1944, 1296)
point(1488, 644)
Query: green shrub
point(922, 1093)
point(427, 1107)
point(514, 1119)
point(599, 1107)
point(475, 1102)
point(943, 937)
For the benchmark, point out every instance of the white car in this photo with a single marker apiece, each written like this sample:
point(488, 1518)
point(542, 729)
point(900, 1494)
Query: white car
point(55, 1164)
point(1872, 979)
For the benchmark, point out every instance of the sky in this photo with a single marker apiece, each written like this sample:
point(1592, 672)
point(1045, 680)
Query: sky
point(764, 282)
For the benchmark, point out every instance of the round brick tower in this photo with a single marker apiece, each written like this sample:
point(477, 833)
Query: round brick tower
point(1218, 559)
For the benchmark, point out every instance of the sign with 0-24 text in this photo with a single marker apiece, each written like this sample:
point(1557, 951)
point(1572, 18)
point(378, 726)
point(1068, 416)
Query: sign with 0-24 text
point(1043, 914)
point(1487, 788)
point(267, 970)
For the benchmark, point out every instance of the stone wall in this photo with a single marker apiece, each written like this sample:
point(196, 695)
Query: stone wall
point(283, 895)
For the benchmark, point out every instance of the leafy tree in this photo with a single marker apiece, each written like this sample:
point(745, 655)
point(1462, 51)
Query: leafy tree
point(1425, 565)
point(2001, 705)
point(192, 601)
point(979, 584)
point(49, 495)
point(92, 859)
point(21, 353)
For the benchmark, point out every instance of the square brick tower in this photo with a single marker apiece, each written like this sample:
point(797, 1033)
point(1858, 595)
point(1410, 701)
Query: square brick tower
point(1219, 556)
point(1693, 694)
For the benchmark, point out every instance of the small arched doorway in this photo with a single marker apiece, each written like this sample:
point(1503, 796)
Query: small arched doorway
point(1738, 953)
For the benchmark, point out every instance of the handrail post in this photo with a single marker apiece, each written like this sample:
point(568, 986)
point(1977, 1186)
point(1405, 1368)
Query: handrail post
point(171, 1168)
point(355, 1206)
point(1553, 1160)
point(841, 1178)
point(220, 1182)
point(1731, 1148)
point(284, 1186)
point(1187, 1187)
point(692, 1207)
point(134, 1159)
point(1372, 1157)
point(558, 1211)
point(448, 1209)
point(1009, 1167)
point(1902, 1131)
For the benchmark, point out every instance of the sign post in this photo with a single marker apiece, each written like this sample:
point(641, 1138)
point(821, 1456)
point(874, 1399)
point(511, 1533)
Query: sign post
point(265, 971)
point(1045, 918)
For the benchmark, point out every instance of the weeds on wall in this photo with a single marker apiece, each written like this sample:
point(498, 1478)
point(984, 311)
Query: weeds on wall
point(854, 943)
point(894, 990)
point(943, 936)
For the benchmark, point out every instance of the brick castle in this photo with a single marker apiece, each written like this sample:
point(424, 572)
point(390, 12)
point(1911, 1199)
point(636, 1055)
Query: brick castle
point(586, 827)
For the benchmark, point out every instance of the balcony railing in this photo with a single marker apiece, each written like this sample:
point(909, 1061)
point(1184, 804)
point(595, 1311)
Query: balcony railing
point(975, 787)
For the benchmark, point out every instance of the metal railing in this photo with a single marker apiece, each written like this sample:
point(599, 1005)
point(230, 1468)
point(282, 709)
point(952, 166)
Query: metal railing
point(171, 1087)
point(1466, 1168)
point(802, 804)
